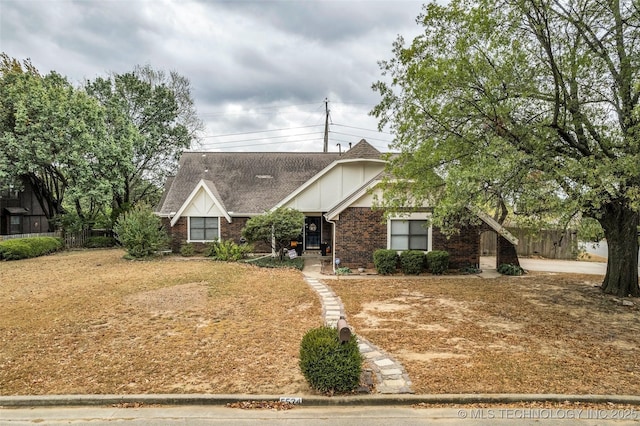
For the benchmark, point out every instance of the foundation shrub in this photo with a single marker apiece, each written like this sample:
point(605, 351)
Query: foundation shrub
point(437, 261)
point(385, 261)
point(412, 262)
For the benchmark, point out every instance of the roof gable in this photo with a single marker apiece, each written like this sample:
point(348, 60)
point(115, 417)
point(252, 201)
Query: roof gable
point(362, 149)
point(209, 189)
point(333, 183)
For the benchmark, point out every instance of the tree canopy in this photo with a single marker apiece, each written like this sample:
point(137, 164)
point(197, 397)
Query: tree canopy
point(276, 228)
point(152, 119)
point(53, 136)
point(87, 151)
point(527, 105)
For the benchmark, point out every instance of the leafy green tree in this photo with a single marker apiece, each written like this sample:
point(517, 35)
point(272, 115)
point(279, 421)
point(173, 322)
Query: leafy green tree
point(276, 228)
point(53, 137)
point(152, 118)
point(527, 103)
point(140, 232)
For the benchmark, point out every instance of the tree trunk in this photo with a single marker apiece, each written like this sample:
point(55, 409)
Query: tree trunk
point(620, 224)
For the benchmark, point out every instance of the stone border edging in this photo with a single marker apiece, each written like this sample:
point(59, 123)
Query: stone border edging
point(392, 378)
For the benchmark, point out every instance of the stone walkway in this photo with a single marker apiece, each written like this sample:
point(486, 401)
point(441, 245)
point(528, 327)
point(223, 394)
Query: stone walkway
point(390, 374)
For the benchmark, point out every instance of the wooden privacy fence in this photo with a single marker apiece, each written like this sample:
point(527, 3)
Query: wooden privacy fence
point(546, 243)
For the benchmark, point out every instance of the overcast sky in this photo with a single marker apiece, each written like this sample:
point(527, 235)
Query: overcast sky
point(253, 65)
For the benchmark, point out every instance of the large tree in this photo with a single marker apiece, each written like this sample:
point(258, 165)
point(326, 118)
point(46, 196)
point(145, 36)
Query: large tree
point(152, 118)
point(52, 137)
point(527, 103)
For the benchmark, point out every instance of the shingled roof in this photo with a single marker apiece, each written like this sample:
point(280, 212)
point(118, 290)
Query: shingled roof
point(250, 182)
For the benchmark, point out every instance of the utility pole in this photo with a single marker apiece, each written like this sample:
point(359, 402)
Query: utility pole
point(326, 125)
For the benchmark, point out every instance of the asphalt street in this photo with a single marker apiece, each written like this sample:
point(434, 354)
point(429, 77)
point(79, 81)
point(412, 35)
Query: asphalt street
point(372, 416)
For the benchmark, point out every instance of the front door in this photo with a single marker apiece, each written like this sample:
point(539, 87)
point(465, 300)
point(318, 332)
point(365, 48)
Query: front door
point(312, 232)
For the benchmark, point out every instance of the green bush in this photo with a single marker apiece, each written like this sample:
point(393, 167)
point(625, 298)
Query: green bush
point(437, 261)
point(274, 262)
point(23, 248)
point(328, 365)
point(100, 242)
point(228, 251)
point(412, 262)
point(385, 261)
point(187, 250)
point(510, 269)
point(140, 232)
point(470, 270)
point(343, 271)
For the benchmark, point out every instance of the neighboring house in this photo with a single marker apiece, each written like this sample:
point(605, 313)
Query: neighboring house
point(20, 212)
point(214, 194)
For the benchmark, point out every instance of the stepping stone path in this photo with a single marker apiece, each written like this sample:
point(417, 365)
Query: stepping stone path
point(391, 375)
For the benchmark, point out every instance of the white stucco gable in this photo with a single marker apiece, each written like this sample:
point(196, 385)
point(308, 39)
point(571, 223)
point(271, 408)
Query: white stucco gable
point(331, 185)
point(202, 202)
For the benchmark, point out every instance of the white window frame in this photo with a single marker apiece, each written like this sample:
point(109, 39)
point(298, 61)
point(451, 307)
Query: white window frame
point(409, 217)
point(189, 240)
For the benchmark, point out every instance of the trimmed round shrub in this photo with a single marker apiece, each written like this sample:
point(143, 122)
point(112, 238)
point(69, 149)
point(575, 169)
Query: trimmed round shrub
point(385, 261)
point(328, 365)
point(412, 262)
point(510, 269)
point(438, 261)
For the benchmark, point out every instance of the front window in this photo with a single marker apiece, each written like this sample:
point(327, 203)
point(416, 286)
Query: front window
point(15, 225)
point(203, 228)
point(409, 235)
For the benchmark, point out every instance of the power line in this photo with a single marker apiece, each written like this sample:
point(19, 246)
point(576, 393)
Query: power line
point(361, 128)
point(261, 131)
point(360, 136)
point(279, 143)
point(259, 139)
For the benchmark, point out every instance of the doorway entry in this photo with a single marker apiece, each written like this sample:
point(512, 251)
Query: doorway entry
point(312, 232)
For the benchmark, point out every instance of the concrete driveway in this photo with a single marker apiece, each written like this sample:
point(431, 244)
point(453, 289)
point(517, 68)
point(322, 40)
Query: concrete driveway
point(551, 265)
point(568, 266)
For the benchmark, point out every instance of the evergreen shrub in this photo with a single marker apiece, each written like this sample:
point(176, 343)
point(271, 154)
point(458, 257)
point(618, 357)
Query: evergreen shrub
point(437, 261)
point(140, 232)
point(510, 269)
point(23, 248)
point(328, 365)
point(385, 261)
point(412, 262)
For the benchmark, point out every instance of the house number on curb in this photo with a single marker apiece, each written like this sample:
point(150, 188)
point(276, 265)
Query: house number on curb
point(291, 399)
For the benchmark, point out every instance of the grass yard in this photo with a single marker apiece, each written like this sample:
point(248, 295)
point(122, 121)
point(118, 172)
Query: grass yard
point(90, 322)
point(541, 333)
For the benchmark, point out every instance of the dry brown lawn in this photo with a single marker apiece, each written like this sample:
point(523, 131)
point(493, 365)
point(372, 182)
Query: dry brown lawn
point(541, 333)
point(90, 322)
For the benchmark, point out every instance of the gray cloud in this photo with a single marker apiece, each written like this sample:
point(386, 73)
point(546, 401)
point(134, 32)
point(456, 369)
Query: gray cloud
point(253, 65)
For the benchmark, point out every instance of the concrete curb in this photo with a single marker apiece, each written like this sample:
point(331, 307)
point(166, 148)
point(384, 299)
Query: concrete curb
point(310, 401)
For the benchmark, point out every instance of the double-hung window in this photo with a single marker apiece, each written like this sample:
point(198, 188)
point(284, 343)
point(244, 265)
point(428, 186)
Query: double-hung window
point(203, 228)
point(409, 234)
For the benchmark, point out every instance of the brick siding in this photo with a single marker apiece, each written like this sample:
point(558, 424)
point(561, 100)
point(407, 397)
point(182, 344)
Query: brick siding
point(359, 232)
point(228, 231)
point(463, 248)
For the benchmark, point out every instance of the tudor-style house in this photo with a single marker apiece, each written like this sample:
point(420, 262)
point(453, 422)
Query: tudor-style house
point(214, 193)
